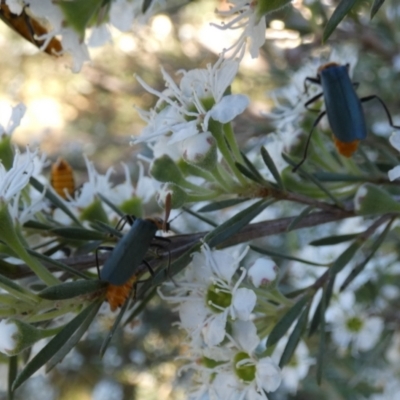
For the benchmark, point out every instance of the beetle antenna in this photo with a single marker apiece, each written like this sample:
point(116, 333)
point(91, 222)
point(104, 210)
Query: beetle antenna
point(168, 201)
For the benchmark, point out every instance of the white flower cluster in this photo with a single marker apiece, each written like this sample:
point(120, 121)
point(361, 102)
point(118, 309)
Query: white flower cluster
point(216, 312)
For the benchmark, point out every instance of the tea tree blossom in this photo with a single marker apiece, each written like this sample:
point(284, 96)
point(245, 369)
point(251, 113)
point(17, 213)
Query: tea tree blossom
point(209, 294)
point(186, 110)
point(351, 325)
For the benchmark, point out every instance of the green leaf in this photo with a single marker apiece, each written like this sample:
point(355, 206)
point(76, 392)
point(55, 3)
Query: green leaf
point(247, 173)
point(272, 167)
point(70, 290)
point(286, 321)
point(200, 217)
point(322, 337)
point(273, 253)
point(58, 264)
point(12, 373)
point(252, 168)
point(332, 240)
point(53, 346)
point(376, 245)
point(116, 323)
point(18, 291)
point(294, 338)
point(73, 340)
point(109, 230)
point(236, 223)
point(312, 178)
point(372, 200)
point(340, 12)
point(79, 13)
point(345, 257)
point(299, 218)
point(111, 205)
point(57, 201)
point(79, 233)
point(335, 177)
point(376, 5)
point(140, 305)
point(220, 205)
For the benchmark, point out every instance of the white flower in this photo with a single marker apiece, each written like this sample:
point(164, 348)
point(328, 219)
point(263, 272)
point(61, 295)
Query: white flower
point(297, 368)
point(97, 183)
point(185, 110)
point(395, 142)
point(253, 26)
point(262, 272)
point(8, 332)
point(232, 370)
point(207, 295)
point(351, 324)
point(13, 181)
point(14, 119)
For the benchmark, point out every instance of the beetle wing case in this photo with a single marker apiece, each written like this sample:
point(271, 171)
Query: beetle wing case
point(343, 107)
point(127, 256)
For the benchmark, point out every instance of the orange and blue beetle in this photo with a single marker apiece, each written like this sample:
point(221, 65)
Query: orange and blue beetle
point(121, 269)
point(342, 107)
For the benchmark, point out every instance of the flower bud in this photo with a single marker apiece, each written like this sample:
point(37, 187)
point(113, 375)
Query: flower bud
point(262, 272)
point(200, 150)
point(164, 169)
point(16, 336)
point(94, 212)
point(371, 199)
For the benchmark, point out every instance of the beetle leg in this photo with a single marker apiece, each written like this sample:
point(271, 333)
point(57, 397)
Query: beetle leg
point(317, 81)
point(312, 100)
point(308, 141)
point(374, 96)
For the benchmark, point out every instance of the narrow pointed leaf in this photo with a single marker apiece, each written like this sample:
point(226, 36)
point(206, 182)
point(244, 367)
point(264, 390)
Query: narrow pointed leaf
point(58, 264)
point(116, 323)
point(53, 346)
point(79, 233)
point(345, 257)
point(220, 205)
point(332, 240)
point(273, 253)
point(340, 12)
point(69, 290)
point(18, 291)
point(247, 173)
point(250, 166)
point(111, 205)
point(322, 338)
point(73, 340)
point(294, 338)
point(286, 321)
point(200, 217)
point(299, 218)
point(333, 177)
point(234, 224)
point(101, 226)
point(53, 198)
point(376, 5)
point(272, 167)
point(12, 373)
point(376, 245)
point(312, 178)
point(139, 306)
